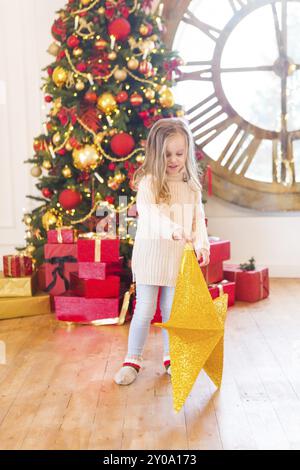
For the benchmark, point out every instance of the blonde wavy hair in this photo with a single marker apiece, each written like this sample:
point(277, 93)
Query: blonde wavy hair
point(155, 162)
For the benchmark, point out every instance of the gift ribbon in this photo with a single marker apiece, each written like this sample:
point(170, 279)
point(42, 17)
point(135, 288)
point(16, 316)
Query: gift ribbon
point(98, 238)
point(9, 264)
point(219, 285)
point(262, 277)
point(59, 233)
point(59, 270)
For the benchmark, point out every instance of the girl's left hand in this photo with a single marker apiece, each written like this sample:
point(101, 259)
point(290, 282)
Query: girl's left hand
point(205, 255)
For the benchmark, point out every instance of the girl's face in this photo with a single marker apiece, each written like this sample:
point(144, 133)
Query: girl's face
point(176, 154)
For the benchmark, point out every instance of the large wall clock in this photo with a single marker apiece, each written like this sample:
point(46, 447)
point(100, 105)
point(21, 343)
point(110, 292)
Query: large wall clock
point(240, 86)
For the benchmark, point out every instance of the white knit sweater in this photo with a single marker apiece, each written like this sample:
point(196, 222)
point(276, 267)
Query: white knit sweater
point(156, 257)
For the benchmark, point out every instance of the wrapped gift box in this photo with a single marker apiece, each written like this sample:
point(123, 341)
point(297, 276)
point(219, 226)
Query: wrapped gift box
point(62, 235)
point(250, 286)
point(95, 288)
point(99, 270)
point(60, 261)
point(17, 265)
point(18, 286)
point(213, 272)
point(18, 307)
point(98, 249)
point(224, 286)
point(41, 277)
point(72, 308)
point(219, 252)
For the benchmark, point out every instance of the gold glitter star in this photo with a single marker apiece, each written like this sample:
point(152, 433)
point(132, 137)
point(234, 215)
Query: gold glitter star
point(196, 329)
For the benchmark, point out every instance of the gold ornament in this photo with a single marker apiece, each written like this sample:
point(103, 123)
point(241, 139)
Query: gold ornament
point(166, 98)
point(101, 11)
point(85, 3)
point(77, 52)
point(57, 104)
point(47, 164)
point(56, 138)
point(36, 171)
point(196, 329)
point(144, 30)
point(149, 93)
point(68, 146)
point(27, 219)
point(59, 76)
point(79, 85)
point(107, 103)
point(85, 29)
point(48, 219)
point(66, 171)
point(30, 249)
point(101, 44)
point(86, 158)
point(53, 49)
point(99, 138)
point(120, 75)
point(112, 55)
point(180, 113)
point(133, 63)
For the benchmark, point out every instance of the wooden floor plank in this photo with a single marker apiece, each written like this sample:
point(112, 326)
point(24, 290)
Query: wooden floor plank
point(57, 388)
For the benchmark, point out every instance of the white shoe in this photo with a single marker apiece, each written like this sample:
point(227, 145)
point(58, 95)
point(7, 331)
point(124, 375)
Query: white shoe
point(128, 372)
point(126, 375)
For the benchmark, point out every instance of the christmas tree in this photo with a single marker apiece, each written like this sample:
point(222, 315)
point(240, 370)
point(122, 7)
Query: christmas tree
point(110, 81)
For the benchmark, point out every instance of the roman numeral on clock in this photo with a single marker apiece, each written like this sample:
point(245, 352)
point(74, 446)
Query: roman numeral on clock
point(237, 5)
point(211, 31)
point(244, 144)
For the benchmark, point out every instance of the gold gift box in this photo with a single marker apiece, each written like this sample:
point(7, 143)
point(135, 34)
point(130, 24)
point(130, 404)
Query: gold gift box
point(18, 286)
point(17, 307)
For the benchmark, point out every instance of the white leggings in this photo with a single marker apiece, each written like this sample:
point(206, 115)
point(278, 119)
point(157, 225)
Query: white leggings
point(145, 307)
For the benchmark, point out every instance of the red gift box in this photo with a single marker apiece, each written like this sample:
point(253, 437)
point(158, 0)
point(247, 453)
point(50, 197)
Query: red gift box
point(250, 286)
point(98, 249)
point(224, 286)
point(98, 270)
point(72, 308)
point(17, 266)
point(213, 272)
point(95, 288)
point(62, 235)
point(60, 261)
point(219, 251)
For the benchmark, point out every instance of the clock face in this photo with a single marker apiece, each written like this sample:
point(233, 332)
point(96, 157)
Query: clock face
point(240, 87)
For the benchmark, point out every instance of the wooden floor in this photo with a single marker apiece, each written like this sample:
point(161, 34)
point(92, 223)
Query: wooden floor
point(57, 389)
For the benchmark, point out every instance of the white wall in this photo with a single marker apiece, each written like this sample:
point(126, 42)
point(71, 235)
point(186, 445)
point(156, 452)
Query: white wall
point(273, 238)
point(24, 38)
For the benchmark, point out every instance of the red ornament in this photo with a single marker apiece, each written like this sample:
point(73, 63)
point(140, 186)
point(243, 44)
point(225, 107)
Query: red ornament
point(90, 97)
point(119, 28)
point(121, 97)
point(122, 144)
point(48, 98)
point(145, 67)
point(136, 99)
point(73, 42)
point(69, 199)
point(61, 55)
point(48, 193)
point(74, 143)
point(81, 67)
point(50, 71)
point(110, 199)
point(112, 166)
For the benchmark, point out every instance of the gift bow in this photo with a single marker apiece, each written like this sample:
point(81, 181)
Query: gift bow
point(112, 8)
point(219, 285)
point(59, 270)
point(66, 114)
point(172, 66)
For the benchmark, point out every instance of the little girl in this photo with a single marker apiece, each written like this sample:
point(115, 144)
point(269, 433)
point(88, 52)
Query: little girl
point(170, 213)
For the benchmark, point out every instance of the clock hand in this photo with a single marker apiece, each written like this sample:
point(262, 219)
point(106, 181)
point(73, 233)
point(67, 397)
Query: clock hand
point(277, 31)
